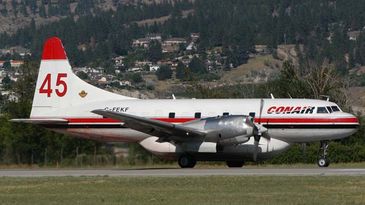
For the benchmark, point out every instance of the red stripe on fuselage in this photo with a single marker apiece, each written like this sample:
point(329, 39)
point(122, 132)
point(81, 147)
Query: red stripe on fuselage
point(308, 120)
point(263, 120)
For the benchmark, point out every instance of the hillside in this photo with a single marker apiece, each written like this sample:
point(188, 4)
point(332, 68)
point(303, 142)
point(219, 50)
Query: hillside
point(97, 32)
point(16, 14)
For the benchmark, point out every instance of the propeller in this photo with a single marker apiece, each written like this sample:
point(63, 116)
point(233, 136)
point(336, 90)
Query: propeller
point(259, 131)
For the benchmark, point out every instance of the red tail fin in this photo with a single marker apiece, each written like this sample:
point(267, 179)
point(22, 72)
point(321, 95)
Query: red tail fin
point(53, 50)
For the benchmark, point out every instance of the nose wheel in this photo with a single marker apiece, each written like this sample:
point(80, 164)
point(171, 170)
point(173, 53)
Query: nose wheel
point(323, 161)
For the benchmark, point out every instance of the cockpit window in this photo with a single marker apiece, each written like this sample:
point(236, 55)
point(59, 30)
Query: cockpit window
point(329, 109)
point(335, 109)
point(322, 110)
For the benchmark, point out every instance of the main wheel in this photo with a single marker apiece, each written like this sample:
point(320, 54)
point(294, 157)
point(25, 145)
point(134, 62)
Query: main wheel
point(323, 162)
point(236, 164)
point(186, 161)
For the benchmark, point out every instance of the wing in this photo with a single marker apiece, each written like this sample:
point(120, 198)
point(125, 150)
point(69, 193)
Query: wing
point(164, 130)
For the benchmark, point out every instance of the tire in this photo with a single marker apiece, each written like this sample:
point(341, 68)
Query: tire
point(327, 163)
point(234, 164)
point(186, 161)
point(323, 162)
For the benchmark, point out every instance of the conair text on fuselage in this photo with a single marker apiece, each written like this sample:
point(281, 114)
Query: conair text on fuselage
point(291, 110)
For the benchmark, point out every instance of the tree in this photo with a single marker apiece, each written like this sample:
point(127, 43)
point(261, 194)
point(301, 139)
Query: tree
point(7, 82)
point(164, 72)
point(136, 78)
point(155, 51)
point(181, 71)
point(42, 11)
point(146, 68)
point(289, 83)
point(7, 65)
point(197, 66)
point(83, 75)
point(324, 80)
point(23, 10)
point(14, 4)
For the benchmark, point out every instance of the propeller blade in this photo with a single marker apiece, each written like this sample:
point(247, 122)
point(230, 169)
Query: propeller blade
point(261, 108)
point(256, 150)
point(259, 131)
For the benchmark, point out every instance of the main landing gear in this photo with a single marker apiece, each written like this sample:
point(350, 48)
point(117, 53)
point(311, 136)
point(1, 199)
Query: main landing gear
point(186, 161)
point(235, 164)
point(323, 161)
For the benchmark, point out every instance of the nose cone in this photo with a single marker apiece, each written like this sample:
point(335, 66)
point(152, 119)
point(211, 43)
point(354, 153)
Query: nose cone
point(349, 122)
point(350, 118)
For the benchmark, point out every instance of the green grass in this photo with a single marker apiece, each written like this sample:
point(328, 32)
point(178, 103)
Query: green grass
point(183, 190)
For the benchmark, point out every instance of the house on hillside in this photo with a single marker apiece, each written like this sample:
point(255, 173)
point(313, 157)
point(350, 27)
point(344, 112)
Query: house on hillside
point(174, 41)
point(154, 37)
point(16, 63)
point(119, 61)
point(141, 43)
point(191, 46)
point(353, 35)
point(135, 69)
point(15, 50)
point(154, 68)
point(172, 45)
point(125, 83)
point(145, 42)
point(262, 49)
point(142, 63)
point(194, 36)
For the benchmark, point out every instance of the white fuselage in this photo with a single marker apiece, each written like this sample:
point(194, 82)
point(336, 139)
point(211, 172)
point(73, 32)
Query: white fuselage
point(287, 120)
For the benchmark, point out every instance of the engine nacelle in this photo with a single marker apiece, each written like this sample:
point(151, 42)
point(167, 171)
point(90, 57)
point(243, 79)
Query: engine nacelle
point(234, 140)
point(226, 130)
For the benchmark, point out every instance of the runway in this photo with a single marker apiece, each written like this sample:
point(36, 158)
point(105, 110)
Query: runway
point(179, 172)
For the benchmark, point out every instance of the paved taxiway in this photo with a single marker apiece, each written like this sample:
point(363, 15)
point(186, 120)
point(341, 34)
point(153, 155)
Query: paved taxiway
point(180, 172)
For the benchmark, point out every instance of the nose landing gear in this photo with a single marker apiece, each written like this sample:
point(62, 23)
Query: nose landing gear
point(323, 161)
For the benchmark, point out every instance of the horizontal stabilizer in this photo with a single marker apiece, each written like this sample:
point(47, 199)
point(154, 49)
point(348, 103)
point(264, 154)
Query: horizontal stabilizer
point(41, 121)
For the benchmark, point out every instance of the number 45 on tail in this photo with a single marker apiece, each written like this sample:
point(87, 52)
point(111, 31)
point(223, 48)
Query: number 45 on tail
point(61, 86)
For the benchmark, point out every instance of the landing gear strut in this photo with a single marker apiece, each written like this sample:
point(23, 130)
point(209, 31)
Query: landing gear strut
point(186, 161)
point(323, 161)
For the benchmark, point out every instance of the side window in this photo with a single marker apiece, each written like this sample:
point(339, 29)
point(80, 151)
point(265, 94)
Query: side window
point(322, 110)
point(171, 115)
point(225, 113)
point(335, 109)
point(198, 115)
point(329, 109)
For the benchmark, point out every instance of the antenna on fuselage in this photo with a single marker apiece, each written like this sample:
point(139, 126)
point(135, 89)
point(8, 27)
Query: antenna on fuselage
point(326, 97)
point(173, 97)
point(272, 96)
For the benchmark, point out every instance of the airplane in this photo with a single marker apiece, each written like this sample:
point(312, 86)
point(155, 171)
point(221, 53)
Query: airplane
point(186, 130)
